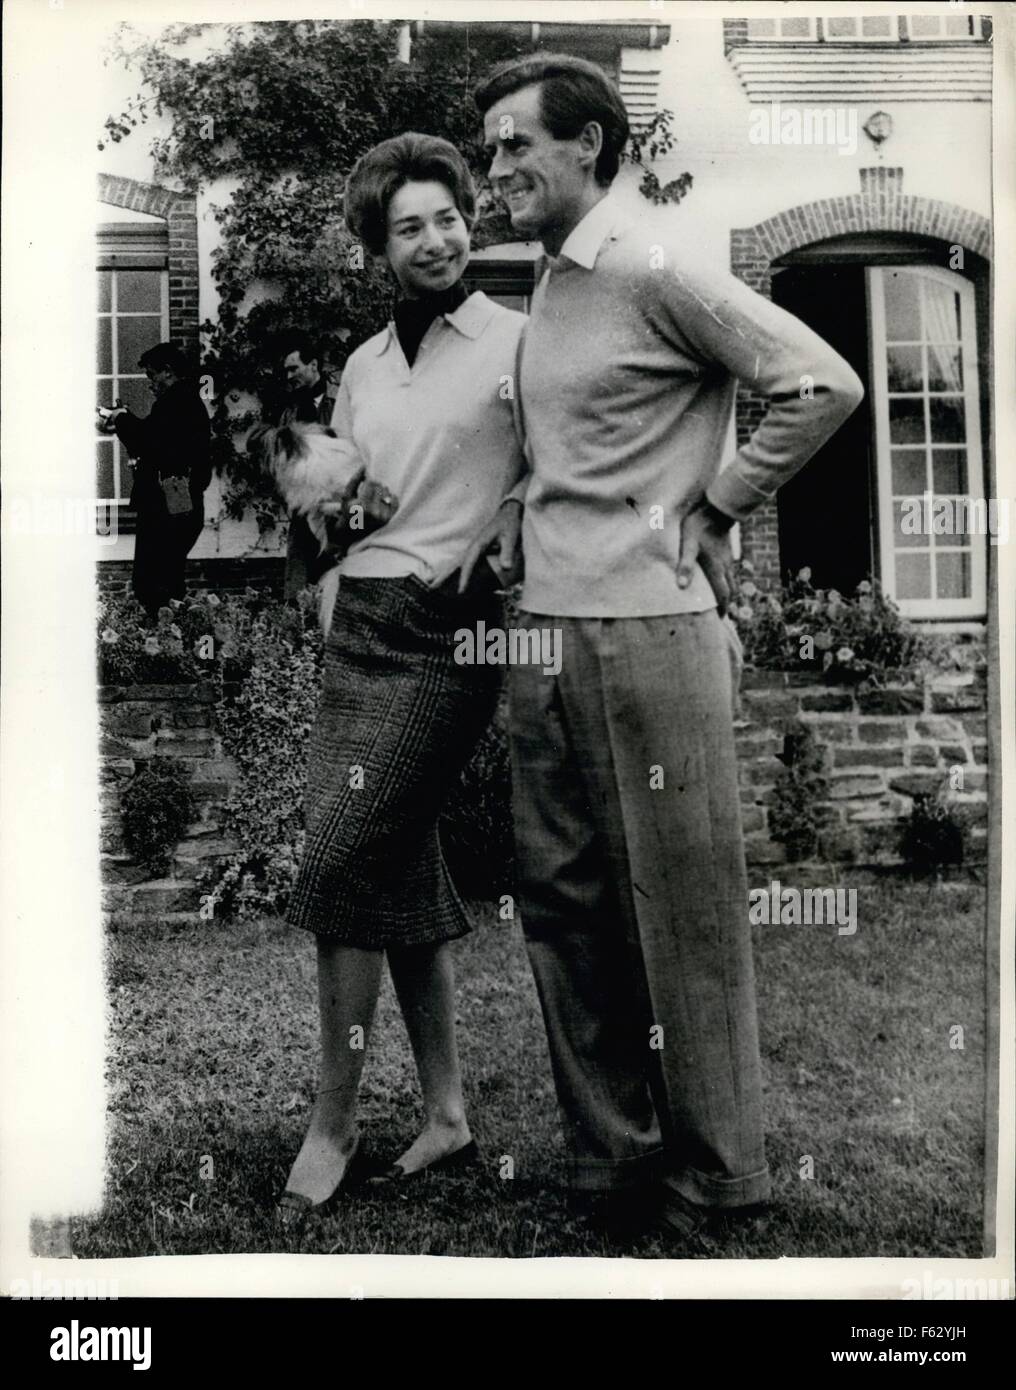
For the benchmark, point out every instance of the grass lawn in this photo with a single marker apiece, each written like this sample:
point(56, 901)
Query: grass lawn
point(213, 1052)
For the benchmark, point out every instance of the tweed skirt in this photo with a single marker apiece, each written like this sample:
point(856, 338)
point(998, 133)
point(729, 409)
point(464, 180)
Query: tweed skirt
point(397, 723)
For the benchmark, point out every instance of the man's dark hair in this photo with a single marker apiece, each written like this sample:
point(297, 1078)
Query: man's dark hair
point(381, 172)
point(295, 340)
point(164, 357)
point(573, 92)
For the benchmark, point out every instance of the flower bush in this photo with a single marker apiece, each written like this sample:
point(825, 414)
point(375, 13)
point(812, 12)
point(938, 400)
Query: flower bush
point(858, 640)
point(201, 637)
point(794, 818)
point(930, 839)
point(133, 651)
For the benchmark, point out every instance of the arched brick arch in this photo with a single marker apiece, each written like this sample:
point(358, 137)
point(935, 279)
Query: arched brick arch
point(179, 212)
point(880, 206)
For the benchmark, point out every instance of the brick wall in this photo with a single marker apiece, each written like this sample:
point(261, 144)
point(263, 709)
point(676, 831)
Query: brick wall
point(179, 212)
point(881, 206)
point(216, 576)
point(735, 32)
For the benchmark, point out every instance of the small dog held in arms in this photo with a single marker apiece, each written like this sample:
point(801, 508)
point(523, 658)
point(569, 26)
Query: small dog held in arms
point(317, 476)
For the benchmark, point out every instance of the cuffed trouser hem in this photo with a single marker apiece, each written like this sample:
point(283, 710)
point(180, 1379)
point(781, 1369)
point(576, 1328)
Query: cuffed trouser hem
point(615, 1175)
point(705, 1191)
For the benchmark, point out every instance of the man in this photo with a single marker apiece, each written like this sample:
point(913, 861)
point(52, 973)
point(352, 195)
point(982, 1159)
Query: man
point(171, 446)
point(311, 393)
point(310, 399)
point(632, 874)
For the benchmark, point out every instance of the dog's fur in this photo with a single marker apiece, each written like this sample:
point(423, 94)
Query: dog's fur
point(309, 466)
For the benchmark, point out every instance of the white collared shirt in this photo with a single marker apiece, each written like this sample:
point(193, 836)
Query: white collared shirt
point(440, 435)
point(583, 242)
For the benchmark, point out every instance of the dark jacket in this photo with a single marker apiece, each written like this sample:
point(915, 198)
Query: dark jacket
point(172, 441)
point(311, 404)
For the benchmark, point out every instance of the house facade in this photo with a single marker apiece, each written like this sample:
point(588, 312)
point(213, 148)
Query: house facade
point(840, 166)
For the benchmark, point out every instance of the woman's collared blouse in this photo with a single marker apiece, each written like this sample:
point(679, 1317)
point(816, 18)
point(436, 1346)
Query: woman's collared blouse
point(442, 436)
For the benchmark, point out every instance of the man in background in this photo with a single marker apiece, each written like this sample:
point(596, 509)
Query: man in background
point(311, 393)
point(310, 399)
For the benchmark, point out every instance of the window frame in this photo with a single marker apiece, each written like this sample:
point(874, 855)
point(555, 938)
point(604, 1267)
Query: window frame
point(857, 37)
point(123, 248)
point(782, 38)
point(819, 30)
point(971, 37)
point(974, 606)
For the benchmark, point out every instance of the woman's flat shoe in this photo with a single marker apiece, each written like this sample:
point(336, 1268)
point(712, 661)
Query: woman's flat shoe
point(293, 1207)
point(460, 1158)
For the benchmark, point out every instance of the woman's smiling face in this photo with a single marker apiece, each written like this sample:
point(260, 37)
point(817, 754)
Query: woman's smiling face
point(428, 240)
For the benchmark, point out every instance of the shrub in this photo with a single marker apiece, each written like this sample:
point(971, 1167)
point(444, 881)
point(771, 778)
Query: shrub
point(132, 650)
point(200, 637)
point(477, 833)
point(794, 818)
point(930, 840)
point(156, 808)
point(861, 640)
point(265, 727)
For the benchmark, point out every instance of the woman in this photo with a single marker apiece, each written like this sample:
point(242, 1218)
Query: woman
point(424, 405)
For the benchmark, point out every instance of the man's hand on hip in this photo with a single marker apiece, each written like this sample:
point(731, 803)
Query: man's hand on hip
point(705, 539)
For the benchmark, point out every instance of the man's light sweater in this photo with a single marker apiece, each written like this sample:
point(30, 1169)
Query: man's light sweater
point(627, 381)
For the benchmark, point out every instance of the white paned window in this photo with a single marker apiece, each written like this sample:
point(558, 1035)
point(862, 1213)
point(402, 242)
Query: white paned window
point(861, 28)
point(933, 517)
point(133, 315)
point(922, 27)
point(870, 28)
point(790, 27)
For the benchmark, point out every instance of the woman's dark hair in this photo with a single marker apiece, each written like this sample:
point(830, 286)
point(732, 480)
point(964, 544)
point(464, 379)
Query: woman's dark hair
point(382, 171)
point(164, 357)
point(573, 92)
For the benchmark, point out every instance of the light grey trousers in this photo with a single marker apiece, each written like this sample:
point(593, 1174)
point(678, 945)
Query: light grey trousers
point(634, 903)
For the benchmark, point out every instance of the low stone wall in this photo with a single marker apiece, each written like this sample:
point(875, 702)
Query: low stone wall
point(880, 749)
point(139, 722)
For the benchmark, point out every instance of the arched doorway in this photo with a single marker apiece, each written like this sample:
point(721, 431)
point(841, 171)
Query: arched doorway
point(911, 329)
point(865, 272)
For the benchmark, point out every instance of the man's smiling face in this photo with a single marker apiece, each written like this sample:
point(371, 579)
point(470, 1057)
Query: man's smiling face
point(540, 179)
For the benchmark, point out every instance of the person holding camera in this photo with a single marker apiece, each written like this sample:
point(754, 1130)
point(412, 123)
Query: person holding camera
point(172, 468)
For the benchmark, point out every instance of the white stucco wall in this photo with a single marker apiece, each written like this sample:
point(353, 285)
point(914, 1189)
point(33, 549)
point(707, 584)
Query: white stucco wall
point(944, 149)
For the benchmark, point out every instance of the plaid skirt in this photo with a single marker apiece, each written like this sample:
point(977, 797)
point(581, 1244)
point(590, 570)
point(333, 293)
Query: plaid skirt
point(398, 721)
